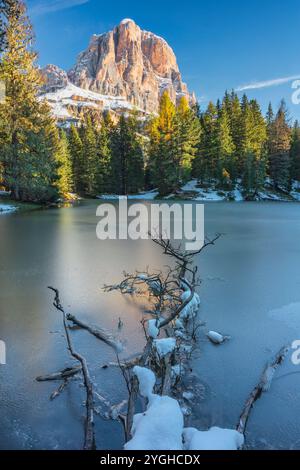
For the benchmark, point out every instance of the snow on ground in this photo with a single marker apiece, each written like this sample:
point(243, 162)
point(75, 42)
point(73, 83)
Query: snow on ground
point(267, 196)
point(237, 195)
point(210, 195)
point(192, 192)
point(109, 197)
point(295, 195)
point(191, 186)
point(203, 194)
point(161, 426)
point(146, 196)
point(213, 439)
point(5, 208)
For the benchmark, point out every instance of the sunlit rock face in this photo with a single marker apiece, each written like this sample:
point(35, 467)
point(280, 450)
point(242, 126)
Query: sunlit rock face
point(54, 78)
point(130, 63)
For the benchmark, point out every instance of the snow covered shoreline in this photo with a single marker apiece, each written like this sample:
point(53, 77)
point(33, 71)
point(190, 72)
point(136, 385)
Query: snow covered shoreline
point(7, 208)
point(193, 192)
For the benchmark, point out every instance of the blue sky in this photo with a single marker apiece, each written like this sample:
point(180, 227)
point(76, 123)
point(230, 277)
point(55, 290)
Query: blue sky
point(219, 44)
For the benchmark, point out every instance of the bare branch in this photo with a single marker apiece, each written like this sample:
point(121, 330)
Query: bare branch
point(89, 443)
point(63, 374)
point(99, 333)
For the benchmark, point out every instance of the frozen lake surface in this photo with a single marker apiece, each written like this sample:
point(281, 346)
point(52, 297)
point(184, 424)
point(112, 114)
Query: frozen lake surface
point(250, 291)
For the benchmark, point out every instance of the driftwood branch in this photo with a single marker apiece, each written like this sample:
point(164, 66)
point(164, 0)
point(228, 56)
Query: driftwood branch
point(99, 333)
point(64, 374)
point(263, 386)
point(89, 442)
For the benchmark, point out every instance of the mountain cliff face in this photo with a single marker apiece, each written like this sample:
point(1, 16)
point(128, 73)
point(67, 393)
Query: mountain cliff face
point(124, 68)
point(131, 63)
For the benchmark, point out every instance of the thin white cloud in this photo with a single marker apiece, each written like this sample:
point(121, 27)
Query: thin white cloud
point(267, 83)
point(41, 7)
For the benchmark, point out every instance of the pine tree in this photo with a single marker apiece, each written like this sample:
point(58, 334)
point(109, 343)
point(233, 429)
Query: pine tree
point(259, 130)
point(235, 120)
point(253, 141)
point(64, 181)
point(163, 164)
point(76, 153)
point(89, 157)
point(187, 136)
point(206, 165)
point(270, 115)
point(23, 118)
point(245, 146)
point(225, 149)
point(256, 158)
point(279, 167)
point(127, 157)
point(136, 164)
point(104, 155)
point(279, 142)
point(295, 152)
point(254, 175)
point(270, 122)
point(280, 132)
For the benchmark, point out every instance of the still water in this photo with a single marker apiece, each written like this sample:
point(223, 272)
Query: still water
point(250, 290)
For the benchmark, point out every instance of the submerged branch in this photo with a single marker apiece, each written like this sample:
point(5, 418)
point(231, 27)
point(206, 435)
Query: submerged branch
point(263, 386)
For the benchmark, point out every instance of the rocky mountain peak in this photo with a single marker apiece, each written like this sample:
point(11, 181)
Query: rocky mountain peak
point(120, 70)
point(130, 63)
point(54, 77)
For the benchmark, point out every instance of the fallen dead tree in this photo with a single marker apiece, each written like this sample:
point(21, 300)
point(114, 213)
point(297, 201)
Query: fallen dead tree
point(174, 306)
point(170, 325)
point(262, 387)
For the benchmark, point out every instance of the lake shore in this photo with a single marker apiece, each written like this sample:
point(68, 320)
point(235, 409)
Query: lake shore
point(193, 191)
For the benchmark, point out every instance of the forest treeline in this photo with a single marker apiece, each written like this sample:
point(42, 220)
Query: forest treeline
point(229, 143)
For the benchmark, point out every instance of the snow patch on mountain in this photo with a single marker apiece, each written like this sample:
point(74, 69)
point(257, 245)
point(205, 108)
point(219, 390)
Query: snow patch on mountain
point(62, 100)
